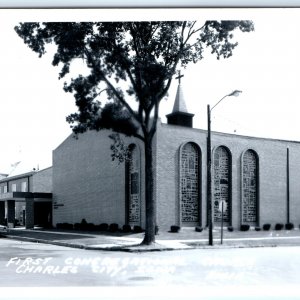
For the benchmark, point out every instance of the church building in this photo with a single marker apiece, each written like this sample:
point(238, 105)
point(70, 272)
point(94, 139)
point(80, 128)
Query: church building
point(255, 178)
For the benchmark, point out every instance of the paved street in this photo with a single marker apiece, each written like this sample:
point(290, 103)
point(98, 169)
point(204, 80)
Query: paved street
point(25, 264)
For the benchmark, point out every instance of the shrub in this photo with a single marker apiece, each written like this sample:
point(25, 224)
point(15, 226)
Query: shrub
point(126, 228)
point(257, 228)
point(266, 227)
point(278, 226)
point(156, 229)
point(289, 226)
point(64, 226)
point(69, 226)
point(198, 228)
point(103, 227)
point(90, 227)
point(230, 228)
point(113, 227)
point(77, 226)
point(245, 227)
point(58, 225)
point(175, 228)
point(137, 229)
point(83, 224)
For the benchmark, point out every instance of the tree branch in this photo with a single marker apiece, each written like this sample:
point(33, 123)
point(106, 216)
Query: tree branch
point(111, 87)
point(191, 33)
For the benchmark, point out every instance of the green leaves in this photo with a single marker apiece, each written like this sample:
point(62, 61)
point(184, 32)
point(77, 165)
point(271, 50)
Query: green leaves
point(218, 35)
point(119, 150)
point(31, 34)
point(130, 60)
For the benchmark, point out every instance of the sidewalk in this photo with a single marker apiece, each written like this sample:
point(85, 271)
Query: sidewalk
point(187, 238)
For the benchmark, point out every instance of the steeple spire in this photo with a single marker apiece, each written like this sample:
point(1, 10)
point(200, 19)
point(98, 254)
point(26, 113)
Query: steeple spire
point(179, 104)
point(180, 115)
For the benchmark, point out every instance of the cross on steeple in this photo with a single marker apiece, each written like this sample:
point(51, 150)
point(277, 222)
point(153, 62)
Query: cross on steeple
point(179, 77)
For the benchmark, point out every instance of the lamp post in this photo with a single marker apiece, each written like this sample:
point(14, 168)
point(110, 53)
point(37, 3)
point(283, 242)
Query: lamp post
point(209, 179)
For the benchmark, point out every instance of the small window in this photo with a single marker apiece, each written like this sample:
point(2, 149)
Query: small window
point(5, 189)
point(24, 186)
point(14, 187)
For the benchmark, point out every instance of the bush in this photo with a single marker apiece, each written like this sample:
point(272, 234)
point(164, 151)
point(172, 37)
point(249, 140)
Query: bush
point(175, 228)
point(245, 227)
point(68, 226)
point(126, 228)
point(113, 227)
point(137, 229)
point(103, 227)
point(58, 225)
point(266, 227)
point(278, 226)
point(198, 228)
point(64, 226)
point(257, 228)
point(83, 224)
point(156, 229)
point(77, 226)
point(90, 226)
point(289, 226)
point(230, 228)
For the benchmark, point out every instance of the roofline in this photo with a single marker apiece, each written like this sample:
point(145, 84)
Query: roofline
point(50, 167)
point(23, 175)
point(232, 134)
point(28, 174)
point(63, 141)
point(180, 113)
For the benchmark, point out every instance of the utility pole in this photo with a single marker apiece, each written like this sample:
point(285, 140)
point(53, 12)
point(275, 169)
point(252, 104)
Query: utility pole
point(209, 195)
point(209, 179)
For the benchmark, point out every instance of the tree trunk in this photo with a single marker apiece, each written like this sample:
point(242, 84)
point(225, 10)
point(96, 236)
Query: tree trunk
point(150, 202)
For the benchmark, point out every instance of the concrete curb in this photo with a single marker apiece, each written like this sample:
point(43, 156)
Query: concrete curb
point(125, 248)
point(132, 249)
point(41, 241)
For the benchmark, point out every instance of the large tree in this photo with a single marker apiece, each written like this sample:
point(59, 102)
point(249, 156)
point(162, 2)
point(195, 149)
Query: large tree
point(134, 63)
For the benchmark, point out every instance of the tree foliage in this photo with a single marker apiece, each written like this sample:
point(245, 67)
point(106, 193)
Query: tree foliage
point(145, 55)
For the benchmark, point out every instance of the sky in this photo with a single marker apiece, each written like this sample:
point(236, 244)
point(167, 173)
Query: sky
point(264, 66)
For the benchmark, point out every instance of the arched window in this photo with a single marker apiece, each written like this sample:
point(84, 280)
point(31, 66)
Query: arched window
point(222, 184)
point(250, 188)
point(133, 186)
point(189, 183)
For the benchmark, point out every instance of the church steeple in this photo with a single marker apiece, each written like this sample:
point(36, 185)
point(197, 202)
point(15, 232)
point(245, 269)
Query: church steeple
point(180, 115)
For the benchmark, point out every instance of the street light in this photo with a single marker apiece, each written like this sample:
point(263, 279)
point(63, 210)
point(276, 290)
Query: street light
point(209, 194)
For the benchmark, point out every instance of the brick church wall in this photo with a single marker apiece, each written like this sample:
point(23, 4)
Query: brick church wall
point(42, 181)
point(272, 189)
point(87, 184)
point(169, 140)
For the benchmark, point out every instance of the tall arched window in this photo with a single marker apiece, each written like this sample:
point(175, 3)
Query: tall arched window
point(222, 184)
point(133, 186)
point(189, 183)
point(250, 188)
